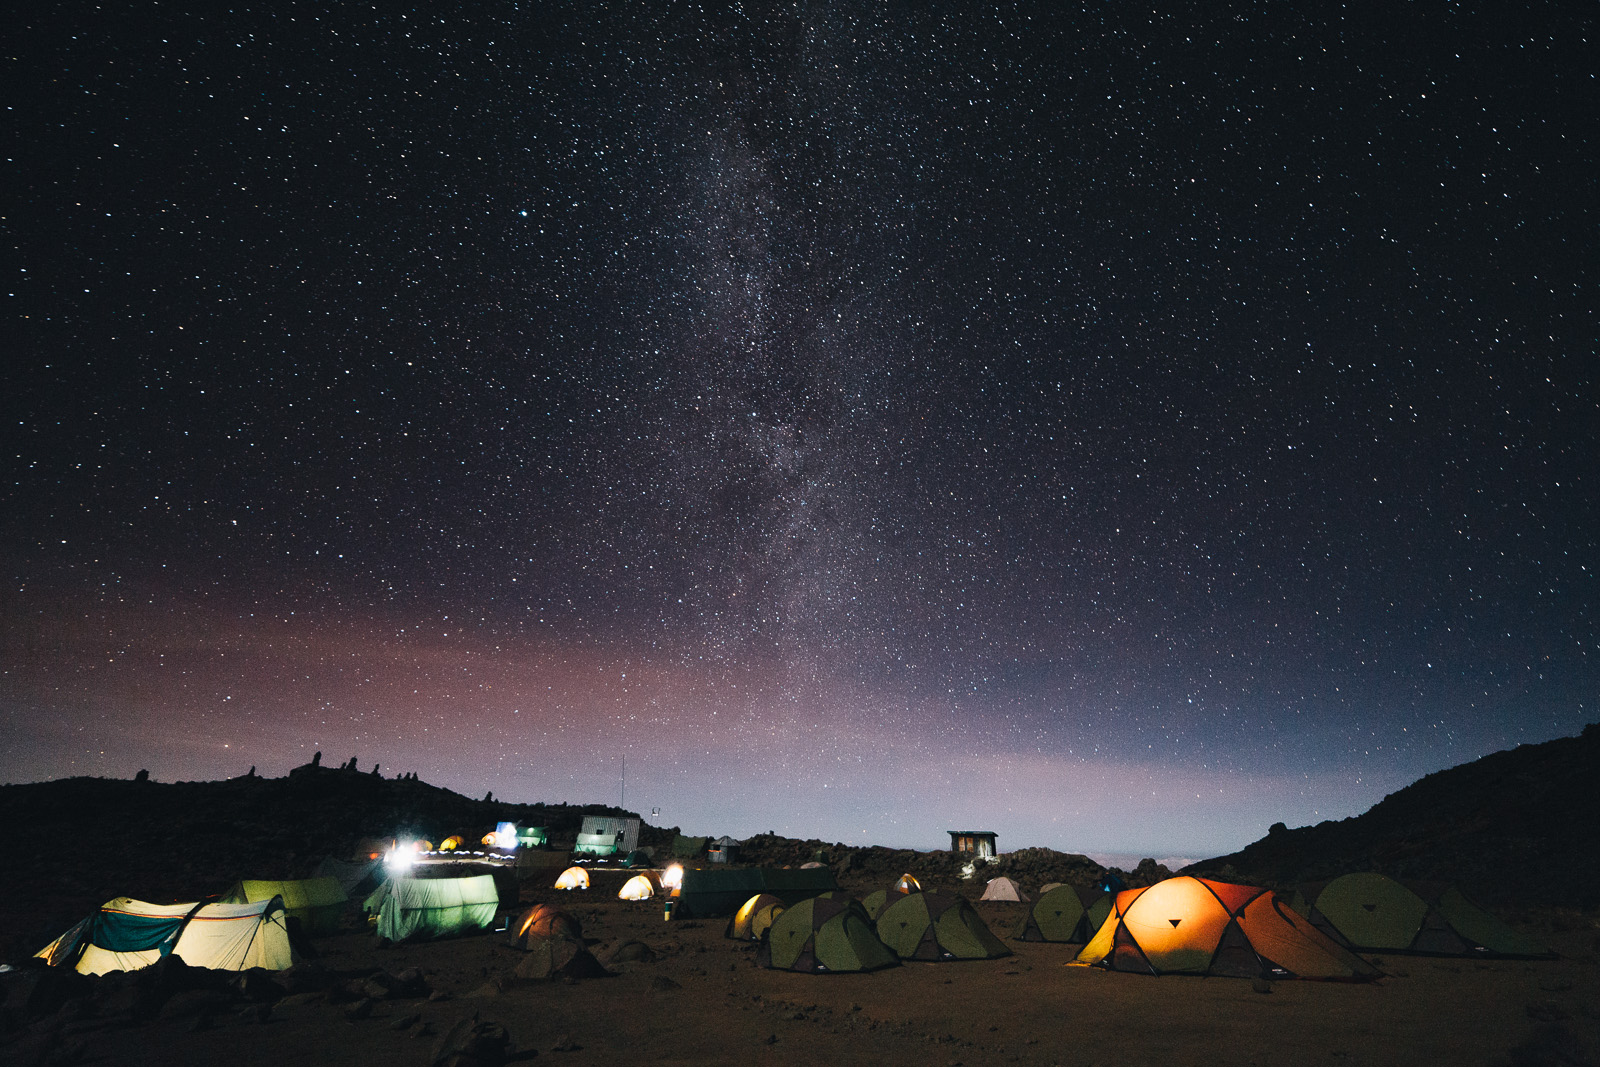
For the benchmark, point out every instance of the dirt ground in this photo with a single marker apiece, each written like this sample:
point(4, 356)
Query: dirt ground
point(704, 1000)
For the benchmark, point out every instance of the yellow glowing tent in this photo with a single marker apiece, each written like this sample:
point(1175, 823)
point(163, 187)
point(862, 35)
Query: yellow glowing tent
point(640, 887)
point(908, 883)
point(754, 917)
point(573, 878)
point(1190, 925)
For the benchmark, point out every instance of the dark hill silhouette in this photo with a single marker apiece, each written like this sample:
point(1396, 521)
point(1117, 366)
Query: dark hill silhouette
point(1515, 826)
point(77, 842)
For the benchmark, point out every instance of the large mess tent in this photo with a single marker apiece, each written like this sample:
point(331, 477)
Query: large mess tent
point(1189, 925)
point(420, 908)
point(1374, 913)
point(318, 903)
point(937, 925)
point(826, 934)
point(127, 935)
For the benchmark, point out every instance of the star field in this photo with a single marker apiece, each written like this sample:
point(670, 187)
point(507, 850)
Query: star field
point(1119, 428)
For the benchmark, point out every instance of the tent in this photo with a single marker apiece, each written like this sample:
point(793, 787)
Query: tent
point(1370, 912)
point(319, 903)
point(908, 883)
point(712, 893)
point(127, 934)
point(879, 899)
point(754, 917)
point(436, 907)
point(1065, 913)
point(1188, 925)
point(639, 887)
point(824, 935)
point(573, 878)
point(356, 879)
point(687, 848)
point(1004, 888)
point(542, 922)
point(532, 836)
point(937, 925)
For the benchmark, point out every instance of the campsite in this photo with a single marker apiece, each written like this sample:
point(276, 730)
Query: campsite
point(798, 952)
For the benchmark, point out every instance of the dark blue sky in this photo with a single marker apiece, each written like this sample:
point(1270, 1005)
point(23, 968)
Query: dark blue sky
point(1122, 429)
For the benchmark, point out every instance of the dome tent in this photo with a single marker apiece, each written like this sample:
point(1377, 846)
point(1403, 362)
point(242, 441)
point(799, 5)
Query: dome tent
point(822, 935)
point(1189, 925)
point(937, 925)
point(879, 899)
point(754, 917)
point(1063, 914)
point(1003, 888)
point(640, 887)
point(1371, 912)
point(543, 921)
point(573, 878)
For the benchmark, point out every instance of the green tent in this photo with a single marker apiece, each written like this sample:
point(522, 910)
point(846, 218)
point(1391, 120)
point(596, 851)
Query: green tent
point(1371, 912)
point(937, 925)
point(826, 934)
point(532, 837)
point(1065, 913)
point(684, 847)
point(435, 907)
point(319, 903)
point(879, 899)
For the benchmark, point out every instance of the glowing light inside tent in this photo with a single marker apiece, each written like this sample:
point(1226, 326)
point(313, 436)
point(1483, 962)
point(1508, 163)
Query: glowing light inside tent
point(672, 877)
point(403, 855)
point(505, 836)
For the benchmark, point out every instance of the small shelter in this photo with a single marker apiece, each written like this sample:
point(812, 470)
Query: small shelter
point(826, 934)
point(1189, 925)
point(754, 917)
point(573, 878)
point(1371, 912)
point(980, 844)
point(908, 883)
point(1003, 888)
point(128, 935)
point(603, 835)
point(318, 904)
point(937, 925)
point(542, 922)
point(641, 886)
point(722, 849)
point(426, 908)
point(532, 836)
point(685, 847)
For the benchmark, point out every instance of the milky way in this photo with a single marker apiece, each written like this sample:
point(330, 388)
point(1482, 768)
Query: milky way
point(1121, 429)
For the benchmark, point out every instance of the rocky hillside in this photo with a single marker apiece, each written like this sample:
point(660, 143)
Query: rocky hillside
point(1516, 826)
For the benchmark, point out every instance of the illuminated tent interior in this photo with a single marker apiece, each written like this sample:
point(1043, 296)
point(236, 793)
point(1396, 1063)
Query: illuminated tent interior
point(754, 917)
point(908, 883)
point(542, 922)
point(422, 908)
point(573, 878)
point(127, 935)
point(641, 886)
point(1370, 912)
point(1188, 925)
point(937, 925)
point(823, 935)
point(318, 903)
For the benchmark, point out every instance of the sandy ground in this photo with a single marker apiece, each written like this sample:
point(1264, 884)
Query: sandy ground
point(704, 1001)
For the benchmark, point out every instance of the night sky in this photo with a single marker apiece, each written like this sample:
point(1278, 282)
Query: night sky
point(1118, 427)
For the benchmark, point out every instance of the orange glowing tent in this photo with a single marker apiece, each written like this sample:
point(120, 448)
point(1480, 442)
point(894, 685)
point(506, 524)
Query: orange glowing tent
point(640, 887)
point(1190, 925)
point(573, 878)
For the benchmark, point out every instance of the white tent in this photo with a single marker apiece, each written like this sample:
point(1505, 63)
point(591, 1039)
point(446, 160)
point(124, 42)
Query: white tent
point(127, 934)
point(1003, 888)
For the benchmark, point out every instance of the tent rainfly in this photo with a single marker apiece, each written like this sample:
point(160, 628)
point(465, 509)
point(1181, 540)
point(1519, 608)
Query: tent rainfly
point(1370, 912)
point(1003, 888)
point(573, 878)
point(1188, 925)
point(1065, 913)
point(639, 887)
point(436, 907)
point(875, 901)
point(826, 934)
point(937, 925)
point(318, 903)
point(754, 917)
point(127, 935)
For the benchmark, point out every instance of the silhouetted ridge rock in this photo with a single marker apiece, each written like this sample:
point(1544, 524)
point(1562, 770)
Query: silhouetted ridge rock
point(1520, 825)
